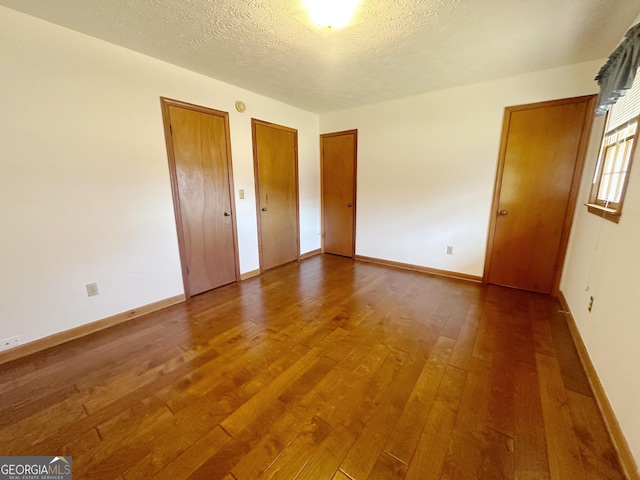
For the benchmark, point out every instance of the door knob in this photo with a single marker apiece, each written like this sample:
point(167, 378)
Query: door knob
point(264, 209)
point(503, 212)
point(227, 214)
point(349, 205)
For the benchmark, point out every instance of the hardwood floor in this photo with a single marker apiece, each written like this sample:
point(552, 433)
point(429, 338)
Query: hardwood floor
point(324, 369)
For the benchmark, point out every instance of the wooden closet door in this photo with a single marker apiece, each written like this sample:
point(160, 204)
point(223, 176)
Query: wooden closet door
point(201, 176)
point(338, 152)
point(276, 167)
point(541, 161)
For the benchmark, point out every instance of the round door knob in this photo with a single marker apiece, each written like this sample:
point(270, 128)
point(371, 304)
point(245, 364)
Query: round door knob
point(503, 212)
point(264, 209)
point(227, 214)
point(349, 205)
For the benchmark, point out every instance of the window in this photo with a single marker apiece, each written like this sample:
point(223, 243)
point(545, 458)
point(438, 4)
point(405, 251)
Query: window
point(616, 155)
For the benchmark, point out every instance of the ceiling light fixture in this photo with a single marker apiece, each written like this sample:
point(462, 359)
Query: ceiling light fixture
point(334, 14)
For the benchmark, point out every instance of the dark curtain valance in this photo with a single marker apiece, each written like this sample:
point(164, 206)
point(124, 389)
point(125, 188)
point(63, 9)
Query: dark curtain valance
point(617, 75)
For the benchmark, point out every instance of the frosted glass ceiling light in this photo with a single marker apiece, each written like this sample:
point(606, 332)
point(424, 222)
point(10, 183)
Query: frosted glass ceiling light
point(333, 14)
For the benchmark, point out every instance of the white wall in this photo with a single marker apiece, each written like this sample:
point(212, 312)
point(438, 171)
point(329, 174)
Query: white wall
point(427, 164)
point(603, 261)
point(84, 189)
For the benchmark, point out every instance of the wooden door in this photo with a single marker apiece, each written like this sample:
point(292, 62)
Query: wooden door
point(200, 164)
point(276, 165)
point(339, 153)
point(541, 160)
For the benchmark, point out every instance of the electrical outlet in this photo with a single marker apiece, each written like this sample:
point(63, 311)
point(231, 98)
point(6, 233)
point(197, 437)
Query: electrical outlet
point(449, 250)
point(92, 289)
point(590, 304)
point(8, 343)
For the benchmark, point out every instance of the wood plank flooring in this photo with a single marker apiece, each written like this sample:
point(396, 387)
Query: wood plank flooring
point(325, 369)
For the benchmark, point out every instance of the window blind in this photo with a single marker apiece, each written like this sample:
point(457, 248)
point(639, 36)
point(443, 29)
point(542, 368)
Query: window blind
point(626, 108)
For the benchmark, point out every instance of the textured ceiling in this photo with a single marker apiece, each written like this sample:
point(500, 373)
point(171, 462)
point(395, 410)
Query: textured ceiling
point(397, 48)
